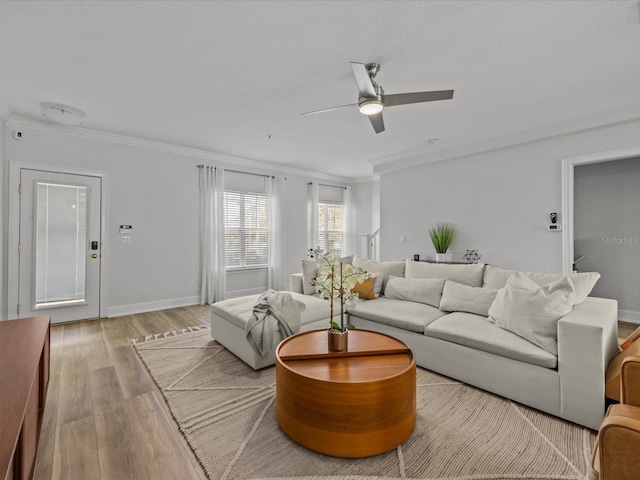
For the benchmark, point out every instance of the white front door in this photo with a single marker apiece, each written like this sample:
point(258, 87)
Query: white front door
point(59, 246)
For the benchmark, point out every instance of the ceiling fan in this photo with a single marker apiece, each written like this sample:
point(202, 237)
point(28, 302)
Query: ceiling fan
point(372, 98)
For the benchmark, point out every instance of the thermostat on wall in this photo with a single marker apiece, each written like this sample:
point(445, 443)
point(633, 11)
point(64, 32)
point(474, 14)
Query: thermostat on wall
point(554, 227)
point(125, 229)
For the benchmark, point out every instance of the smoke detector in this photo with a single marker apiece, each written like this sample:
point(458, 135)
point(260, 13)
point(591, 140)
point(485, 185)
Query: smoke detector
point(59, 113)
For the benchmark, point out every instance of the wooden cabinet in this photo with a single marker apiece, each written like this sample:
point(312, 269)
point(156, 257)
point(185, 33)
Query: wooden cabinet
point(24, 378)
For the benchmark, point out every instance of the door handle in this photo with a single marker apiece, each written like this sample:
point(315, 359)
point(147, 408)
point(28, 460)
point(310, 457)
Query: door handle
point(94, 255)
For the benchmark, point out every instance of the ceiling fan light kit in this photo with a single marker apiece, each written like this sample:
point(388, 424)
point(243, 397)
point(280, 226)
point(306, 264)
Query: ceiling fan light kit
point(369, 106)
point(372, 99)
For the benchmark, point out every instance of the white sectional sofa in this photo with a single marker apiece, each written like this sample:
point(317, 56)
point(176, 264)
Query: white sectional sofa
point(565, 379)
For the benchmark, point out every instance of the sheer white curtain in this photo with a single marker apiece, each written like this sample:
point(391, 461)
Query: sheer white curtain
point(312, 215)
point(276, 227)
point(212, 234)
point(347, 233)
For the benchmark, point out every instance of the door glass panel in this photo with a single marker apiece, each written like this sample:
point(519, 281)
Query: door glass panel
point(61, 244)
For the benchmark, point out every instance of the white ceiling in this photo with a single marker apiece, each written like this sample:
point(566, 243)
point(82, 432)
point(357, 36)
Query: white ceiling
point(224, 76)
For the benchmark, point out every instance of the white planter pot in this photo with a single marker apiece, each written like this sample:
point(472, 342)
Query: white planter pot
point(444, 257)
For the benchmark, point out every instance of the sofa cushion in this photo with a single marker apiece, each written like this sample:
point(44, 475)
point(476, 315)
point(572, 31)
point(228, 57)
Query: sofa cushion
point(374, 266)
point(239, 310)
point(583, 282)
point(531, 311)
point(465, 274)
point(463, 298)
point(403, 314)
point(475, 331)
point(421, 290)
point(309, 272)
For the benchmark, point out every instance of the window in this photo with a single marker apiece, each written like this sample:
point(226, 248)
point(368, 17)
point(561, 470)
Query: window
point(245, 229)
point(61, 244)
point(330, 235)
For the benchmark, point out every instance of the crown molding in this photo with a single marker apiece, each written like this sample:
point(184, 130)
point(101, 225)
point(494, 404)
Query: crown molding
point(369, 178)
point(594, 117)
point(223, 160)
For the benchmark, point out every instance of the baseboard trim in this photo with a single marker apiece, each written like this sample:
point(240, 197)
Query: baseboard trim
point(629, 316)
point(132, 309)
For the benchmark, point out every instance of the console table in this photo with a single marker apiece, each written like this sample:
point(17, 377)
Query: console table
point(346, 404)
point(24, 376)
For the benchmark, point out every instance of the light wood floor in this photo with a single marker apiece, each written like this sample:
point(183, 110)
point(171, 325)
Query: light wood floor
point(104, 417)
point(626, 329)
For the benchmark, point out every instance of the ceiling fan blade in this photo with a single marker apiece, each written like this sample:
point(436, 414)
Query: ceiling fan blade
point(377, 122)
point(416, 97)
point(330, 109)
point(362, 79)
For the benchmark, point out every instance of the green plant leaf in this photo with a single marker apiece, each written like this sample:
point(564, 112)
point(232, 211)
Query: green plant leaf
point(442, 236)
point(335, 326)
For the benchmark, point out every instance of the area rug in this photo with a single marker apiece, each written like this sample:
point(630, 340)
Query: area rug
point(226, 412)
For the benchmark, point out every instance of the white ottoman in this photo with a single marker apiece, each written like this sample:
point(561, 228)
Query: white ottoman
point(229, 317)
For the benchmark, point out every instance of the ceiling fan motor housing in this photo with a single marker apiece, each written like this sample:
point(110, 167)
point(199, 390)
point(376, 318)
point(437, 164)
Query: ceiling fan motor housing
point(372, 69)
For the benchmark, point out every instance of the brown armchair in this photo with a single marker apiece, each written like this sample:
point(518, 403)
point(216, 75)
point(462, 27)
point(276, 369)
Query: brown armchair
point(617, 452)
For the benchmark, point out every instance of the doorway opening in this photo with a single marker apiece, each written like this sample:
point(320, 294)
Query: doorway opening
point(592, 247)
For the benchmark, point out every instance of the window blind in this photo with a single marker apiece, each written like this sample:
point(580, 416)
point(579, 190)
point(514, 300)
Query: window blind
point(60, 243)
point(330, 233)
point(245, 220)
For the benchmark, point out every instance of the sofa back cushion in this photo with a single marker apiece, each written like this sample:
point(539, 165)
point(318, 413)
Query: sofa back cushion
point(470, 275)
point(463, 298)
point(531, 311)
point(496, 278)
point(420, 290)
point(385, 268)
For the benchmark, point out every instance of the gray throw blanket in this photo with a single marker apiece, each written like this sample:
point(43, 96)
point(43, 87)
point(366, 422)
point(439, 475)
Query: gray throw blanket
point(276, 316)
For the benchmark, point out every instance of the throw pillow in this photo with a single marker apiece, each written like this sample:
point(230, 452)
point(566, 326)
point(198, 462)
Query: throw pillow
point(375, 266)
point(369, 289)
point(531, 311)
point(348, 260)
point(583, 282)
point(309, 272)
point(466, 274)
point(462, 298)
point(421, 290)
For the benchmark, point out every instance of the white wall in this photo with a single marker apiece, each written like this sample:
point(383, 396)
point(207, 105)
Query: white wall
point(156, 192)
point(361, 199)
point(375, 205)
point(607, 230)
point(500, 201)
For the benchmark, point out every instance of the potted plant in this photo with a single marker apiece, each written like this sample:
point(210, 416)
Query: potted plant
point(442, 236)
point(336, 281)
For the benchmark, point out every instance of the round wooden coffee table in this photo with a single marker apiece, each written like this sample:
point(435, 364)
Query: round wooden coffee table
point(350, 404)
